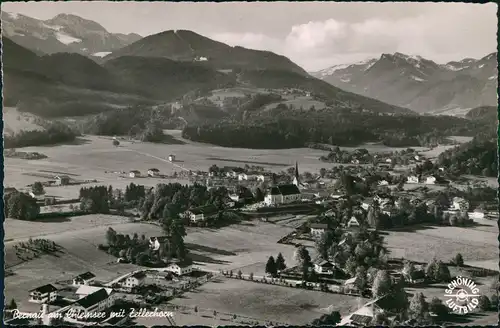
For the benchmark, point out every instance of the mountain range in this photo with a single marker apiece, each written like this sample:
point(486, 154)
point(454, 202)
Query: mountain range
point(63, 33)
point(157, 70)
point(418, 83)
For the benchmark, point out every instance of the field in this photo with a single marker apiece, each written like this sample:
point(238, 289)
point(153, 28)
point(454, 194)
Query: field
point(246, 247)
point(267, 301)
point(15, 121)
point(478, 245)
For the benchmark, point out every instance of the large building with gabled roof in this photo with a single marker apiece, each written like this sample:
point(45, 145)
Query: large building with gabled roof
point(282, 194)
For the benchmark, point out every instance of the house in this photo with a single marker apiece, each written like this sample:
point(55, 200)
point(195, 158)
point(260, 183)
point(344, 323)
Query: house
point(324, 267)
point(235, 197)
point(366, 204)
point(350, 285)
point(412, 179)
point(134, 174)
point(317, 229)
point(171, 158)
point(242, 176)
point(415, 277)
point(460, 204)
point(388, 160)
point(430, 180)
point(477, 214)
point(153, 172)
point(364, 315)
point(353, 223)
point(181, 268)
point(86, 278)
point(202, 213)
point(260, 177)
point(62, 180)
point(282, 194)
point(135, 280)
point(156, 242)
point(383, 183)
point(83, 291)
point(44, 294)
point(97, 301)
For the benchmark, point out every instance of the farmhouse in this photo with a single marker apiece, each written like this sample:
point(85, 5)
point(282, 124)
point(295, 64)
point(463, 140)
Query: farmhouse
point(181, 268)
point(200, 214)
point(324, 267)
point(83, 291)
point(317, 229)
point(282, 194)
point(412, 179)
point(134, 174)
point(364, 315)
point(97, 301)
point(135, 280)
point(44, 294)
point(430, 180)
point(85, 278)
point(153, 172)
point(62, 180)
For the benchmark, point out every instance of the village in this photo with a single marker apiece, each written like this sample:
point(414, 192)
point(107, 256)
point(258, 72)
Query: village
point(335, 223)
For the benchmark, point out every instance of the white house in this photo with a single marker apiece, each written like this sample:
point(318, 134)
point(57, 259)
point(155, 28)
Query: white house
point(44, 294)
point(260, 177)
point(62, 180)
point(181, 268)
point(135, 280)
point(364, 315)
point(383, 183)
point(86, 278)
point(242, 176)
point(97, 301)
point(388, 160)
point(282, 194)
point(153, 172)
point(134, 174)
point(350, 285)
point(317, 229)
point(430, 180)
point(201, 213)
point(324, 267)
point(171, 158)
point(412, 179)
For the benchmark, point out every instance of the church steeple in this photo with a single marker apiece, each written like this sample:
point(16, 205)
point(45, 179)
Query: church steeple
point(296, 179)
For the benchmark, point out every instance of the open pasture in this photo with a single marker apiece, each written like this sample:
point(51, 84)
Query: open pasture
point(422, 243)
point(266, 302)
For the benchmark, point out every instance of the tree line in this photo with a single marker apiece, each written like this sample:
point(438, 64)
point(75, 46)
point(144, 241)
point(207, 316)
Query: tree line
point(52, 134)
point(284, 128)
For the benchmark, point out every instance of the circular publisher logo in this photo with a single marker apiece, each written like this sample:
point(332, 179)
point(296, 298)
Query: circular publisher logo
point(462, 295)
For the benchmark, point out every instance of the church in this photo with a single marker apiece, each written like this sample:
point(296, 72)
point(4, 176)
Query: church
point(285, 193)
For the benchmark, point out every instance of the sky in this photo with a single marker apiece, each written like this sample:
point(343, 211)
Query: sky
point(315, 35)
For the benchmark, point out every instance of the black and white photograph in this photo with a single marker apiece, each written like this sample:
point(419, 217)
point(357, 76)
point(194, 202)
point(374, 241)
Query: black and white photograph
point(250, 163)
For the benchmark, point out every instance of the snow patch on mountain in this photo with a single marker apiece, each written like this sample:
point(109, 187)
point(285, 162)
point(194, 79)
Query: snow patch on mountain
point(101, 54)
point(66, 39)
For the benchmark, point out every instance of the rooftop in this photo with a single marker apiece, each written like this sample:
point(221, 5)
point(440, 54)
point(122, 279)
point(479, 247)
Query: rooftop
point(138, 275)
point(85, 276)
point(92, 299)
point(44, 289)
point(319, 226)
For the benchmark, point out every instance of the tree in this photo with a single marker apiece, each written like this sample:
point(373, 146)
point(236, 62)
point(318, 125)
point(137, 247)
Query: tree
point(259, 195)
point(351, 266)
point(437, 307)
point(380, 319)
point(331, 319)
point(271, 267)
point(280, 262)
point(12, 305)
point(361, 278)
point(141, 259)
point(21, 206)
point(323, 244)
point(458, 260)
point(484, 303)
point(418, 307)
point(37, 188)
point(302, 257)
point(382, 284)
point(494, 300)
point(250, 276)
point(111, 236)
point(239, 274)
point(116, 143)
